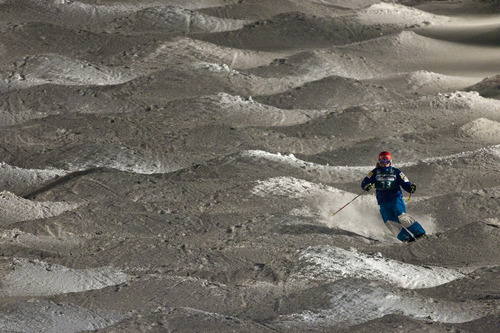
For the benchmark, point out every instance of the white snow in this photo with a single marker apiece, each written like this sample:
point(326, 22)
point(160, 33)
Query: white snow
point(218, 68)
point(482, 129)
point(38, 278)
point(83, 8)
point(197, 50)
point(339, 173)
point(15, 209)
point(332, 264)
point(13, 178)
point(175, 19)
point(355, 302)
point(246, 112)
point(481, 153)
point(57, 69)
point(359, 288)
point(349, 173)
point(288, 187)
point(427, 82)
point(125, 159)
point(391, 13)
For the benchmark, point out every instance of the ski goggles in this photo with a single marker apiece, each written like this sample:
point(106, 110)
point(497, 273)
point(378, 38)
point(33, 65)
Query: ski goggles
point(384, 162)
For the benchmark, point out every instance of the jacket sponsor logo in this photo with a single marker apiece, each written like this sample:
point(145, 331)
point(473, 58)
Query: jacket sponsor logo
point(403, 176)
point(385, 177)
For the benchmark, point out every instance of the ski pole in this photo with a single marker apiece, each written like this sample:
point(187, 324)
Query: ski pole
point(349, 202)
point(409, 198)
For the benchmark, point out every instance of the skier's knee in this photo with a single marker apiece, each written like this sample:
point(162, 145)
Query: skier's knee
point(406, 220)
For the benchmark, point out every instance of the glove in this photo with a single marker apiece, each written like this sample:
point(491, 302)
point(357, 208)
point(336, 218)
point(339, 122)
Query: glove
point(413, 188)
point(368, 187)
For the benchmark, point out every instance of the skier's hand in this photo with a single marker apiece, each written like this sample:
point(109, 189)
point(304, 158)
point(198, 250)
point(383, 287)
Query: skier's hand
point(413, 188)
point(368, 187)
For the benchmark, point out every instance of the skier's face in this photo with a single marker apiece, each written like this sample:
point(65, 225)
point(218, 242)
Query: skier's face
point(384, 162)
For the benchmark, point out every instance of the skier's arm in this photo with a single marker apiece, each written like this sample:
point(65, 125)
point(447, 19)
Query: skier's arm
point(370, 179)
point(404, 182)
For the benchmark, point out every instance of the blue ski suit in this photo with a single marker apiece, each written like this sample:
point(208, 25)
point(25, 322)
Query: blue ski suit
point(388, 182)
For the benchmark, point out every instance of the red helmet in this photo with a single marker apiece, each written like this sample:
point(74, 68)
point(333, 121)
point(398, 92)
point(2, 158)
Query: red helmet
point(384, 159)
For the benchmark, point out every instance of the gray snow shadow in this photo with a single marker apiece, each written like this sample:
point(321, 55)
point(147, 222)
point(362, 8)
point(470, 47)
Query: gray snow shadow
point(316, 229)
point(45, 316)
point(59, 181)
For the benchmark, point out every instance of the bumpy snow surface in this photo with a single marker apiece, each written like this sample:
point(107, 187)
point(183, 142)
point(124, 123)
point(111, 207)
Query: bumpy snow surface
point(195, 166)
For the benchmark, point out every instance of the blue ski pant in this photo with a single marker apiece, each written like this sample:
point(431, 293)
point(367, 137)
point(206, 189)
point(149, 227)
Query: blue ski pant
point(391, 213)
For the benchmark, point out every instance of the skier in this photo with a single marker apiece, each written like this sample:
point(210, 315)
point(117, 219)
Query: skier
point(388, 182)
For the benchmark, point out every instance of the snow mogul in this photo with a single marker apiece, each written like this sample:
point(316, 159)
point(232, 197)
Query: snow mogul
point(388, 182)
